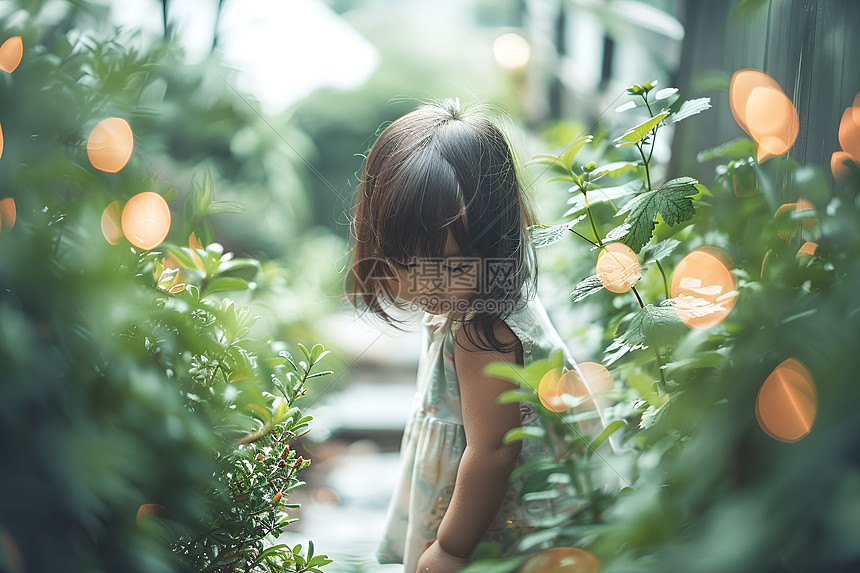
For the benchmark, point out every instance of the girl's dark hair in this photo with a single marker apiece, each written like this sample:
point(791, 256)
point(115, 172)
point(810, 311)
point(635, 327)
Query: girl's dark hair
point(436, 170)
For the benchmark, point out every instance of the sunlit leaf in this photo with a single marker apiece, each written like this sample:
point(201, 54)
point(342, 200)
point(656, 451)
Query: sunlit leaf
point(637, 133)
point(224, 284)
point(614, 169)
point(601, 195)
point(617, 233)
point(689, 108)
point(665, 93)
point(217, 207)
point(585, 288)
point(672, 201)
point(543, 235)
point(653, 253)
point(658, 325)
point(610, 429)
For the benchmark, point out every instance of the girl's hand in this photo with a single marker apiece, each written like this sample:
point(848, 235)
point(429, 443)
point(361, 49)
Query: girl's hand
point(437, 560)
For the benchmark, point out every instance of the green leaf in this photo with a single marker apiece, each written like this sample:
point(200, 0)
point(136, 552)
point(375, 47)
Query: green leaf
point(504, 565)
point(511, 396)
point(586, 287)
point(654, 325)
point(543, 235)
point(526, 432)
point(243, 268)
point(563, 162)
point(653, 253)
point(601, 195)
point(617, 233)
point(665, 93)
point(614, 169)
point(610, 429)
point(672, 201)
point(316, 352)
point(691, 107)
point(740, 148)
point(632, 104)
point(637, 133)
point(573, 149)
point(224, 284)
point(526, 377)
point(217, 207)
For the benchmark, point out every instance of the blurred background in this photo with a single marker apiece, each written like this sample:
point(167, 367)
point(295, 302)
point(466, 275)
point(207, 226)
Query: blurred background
point(281, 99)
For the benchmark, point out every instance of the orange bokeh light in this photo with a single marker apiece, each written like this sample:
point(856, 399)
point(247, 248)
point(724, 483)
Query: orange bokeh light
point(8, 213)
point(112, 222)
point(849, 132)
point(617, 267)
point(597, 379)
point(772, 121)
point(787, 403)
point(741, 86)
point(146, 220)
point(110, 144)
point(555, 383)
point(587, 379)
point(808, 248)
point(10, 54)
point(837, 164)
point(703, 288)
point(148, 510)
point(785, 211)
point(561, 560)
point(763, 110)
point(804, 205)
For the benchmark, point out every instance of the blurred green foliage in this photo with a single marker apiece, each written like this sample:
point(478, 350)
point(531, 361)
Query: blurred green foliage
point(697, 484)
point(146, 418)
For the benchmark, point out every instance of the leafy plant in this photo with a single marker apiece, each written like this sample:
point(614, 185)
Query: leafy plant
point(696, 483)
point(146, 416)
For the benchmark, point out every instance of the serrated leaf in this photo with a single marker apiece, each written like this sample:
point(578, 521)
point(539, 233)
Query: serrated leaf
point(651, 325)
point(585, 288)
point(653, 253)
point(691, 107)
point(672, 201)
point(601, 195)
point(617, 233)
point(637, 133)
point(665, 93)
point(543, 235)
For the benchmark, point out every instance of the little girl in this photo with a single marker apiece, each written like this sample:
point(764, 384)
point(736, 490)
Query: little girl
point(440, 225)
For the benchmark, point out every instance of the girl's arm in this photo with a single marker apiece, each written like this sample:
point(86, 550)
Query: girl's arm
point(486, 465)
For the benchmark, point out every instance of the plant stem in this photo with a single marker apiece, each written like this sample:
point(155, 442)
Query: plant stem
point(584, 237)
point(638, 298)
point(645, 161)
point(665, 281)
point(647, 106)
point(591, 218)
point(653, 131)
point(661, 385)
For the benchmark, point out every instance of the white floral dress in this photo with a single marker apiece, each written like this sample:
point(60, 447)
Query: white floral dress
point(434, 441)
